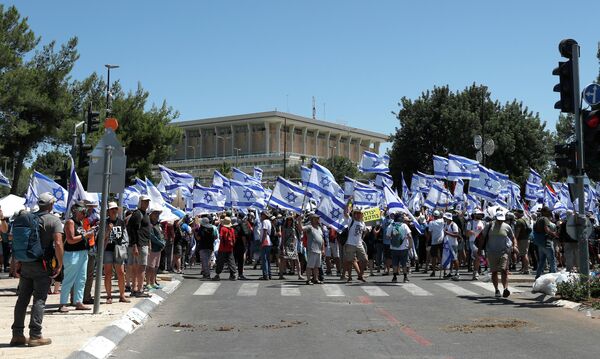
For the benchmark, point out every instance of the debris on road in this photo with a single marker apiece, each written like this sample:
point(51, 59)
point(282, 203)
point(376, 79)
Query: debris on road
point(488, 324)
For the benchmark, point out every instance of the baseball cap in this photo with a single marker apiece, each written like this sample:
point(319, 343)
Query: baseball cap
point(501, 215)
point(144, 198)
point(45, 199)
point(437, 214)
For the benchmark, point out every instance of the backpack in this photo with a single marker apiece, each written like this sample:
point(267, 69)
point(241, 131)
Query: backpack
point(482, 238)
point(26, 243)
point(343, 236)
point(397, 235)
point(157, 241)
point(207, 235)
point(273, 236)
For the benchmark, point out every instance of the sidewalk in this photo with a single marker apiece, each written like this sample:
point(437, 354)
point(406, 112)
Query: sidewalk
point(69, 332)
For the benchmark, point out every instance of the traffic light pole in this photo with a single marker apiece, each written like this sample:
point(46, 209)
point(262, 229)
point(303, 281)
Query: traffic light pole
point(584, 268)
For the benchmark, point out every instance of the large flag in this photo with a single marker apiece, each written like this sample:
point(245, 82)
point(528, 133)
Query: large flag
point(247, 195)
point(396, 205)
point(4, 181)
point(405, 190)
point(305, 175)
point(534, 177)
point(366, 197)
point(287, 195)
point(374, 163)
point(486, 186)
point(440, 167)
point(140, 185)
point(415, 183)
point(415, 202)
point(172, 181)
point(219, 181)
point(76, 192)
point(208, 200)
point(426, 181)
point(131, 197)
point(258, 173)
point(349, 185)
point(437, 197)
point(382, 179)
point(40, 184)
point(243, 177)
point(533, 191)
point(461, 167)
point(322, 183)
point(331, 210)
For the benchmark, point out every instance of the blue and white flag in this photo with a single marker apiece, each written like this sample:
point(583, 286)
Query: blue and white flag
point(219, 181)
point(426, 181)
point(437, 197)
point(461, 167)
point(175, 212)
point(141, 186)
point(350, 184)
point(447, 255)
point(247, 195)
point(40, 184)
point(533, 191)
point(176, 180)
point(405, 190)
point(396, 205)
point(472, 203)
point(440, 167)
point(243, 177)
point(374, 163)
point(366, 197)
point(4, 181)
point(157, 198)
point(331, 210)
point(459, 188)
point(304, 175)
point(208, 200)
point(415, 183)
point(131, 197)
point(534, 177)
point(258, 173)
point(486, 186)
point(514, 196)
point(551, 200)
point(322, 183)
point(382, 179)
point(415, 202)
point(287, 195)
point(76, 191)
point(503, 178)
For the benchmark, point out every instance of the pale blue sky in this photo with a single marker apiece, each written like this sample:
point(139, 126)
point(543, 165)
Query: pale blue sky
point(213, 58)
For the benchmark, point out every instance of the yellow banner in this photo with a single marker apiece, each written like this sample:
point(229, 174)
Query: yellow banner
point(371, 214)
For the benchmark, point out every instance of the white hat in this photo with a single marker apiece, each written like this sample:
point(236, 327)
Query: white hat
point(144, 198)
point(501, 215)
point(437, 214)
point(156, 209)
point(448, 216)
point(45, 199)
point(112, 205)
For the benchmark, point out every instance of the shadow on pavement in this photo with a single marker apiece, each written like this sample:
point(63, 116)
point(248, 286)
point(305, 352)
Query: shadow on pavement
point(505, 301)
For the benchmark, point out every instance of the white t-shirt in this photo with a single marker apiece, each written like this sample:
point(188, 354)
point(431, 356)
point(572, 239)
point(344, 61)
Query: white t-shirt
point(355, 233)
point(436, 228)
point(476, 226)
point(266, 228)
point(452, 227)
point(405, 242)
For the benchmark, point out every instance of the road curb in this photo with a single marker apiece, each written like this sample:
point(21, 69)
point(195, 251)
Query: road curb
point(101, 345)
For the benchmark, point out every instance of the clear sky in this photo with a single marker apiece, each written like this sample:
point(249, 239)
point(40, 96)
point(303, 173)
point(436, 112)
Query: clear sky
point(358, 58)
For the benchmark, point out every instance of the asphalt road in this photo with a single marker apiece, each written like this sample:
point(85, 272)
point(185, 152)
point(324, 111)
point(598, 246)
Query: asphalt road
point(430, 318)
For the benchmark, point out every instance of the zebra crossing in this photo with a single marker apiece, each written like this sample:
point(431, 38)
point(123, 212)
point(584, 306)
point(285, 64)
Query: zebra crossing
point(252, 289)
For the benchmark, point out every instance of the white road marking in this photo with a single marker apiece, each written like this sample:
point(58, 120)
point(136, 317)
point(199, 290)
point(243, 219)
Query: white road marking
point(490, 287)
point(333, 290)
point(207, 289)
point(456, 289)
point(374, 291)
point(248, 290)
point(290, 290)
point(415, 290)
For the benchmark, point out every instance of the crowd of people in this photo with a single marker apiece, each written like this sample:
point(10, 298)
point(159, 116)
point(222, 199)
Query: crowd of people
point(137, 246)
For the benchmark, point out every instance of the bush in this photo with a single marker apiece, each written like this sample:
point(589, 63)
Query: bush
point(578, 290)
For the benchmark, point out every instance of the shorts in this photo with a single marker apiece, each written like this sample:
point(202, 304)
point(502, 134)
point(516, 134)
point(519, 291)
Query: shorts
point(141, 259)
point(154, 259)
point(314, 260)
point(109, 258)
point(387, 252)
point(461, 245)
point(351, 251)
point(334, 249)
point(474, 249)
point(399, 257)
point(454, 250)
point(436, 250)
point(523, 246)
point(177, 250)
point(497, 261)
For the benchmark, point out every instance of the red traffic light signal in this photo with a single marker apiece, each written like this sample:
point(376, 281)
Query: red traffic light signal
point(591, 134)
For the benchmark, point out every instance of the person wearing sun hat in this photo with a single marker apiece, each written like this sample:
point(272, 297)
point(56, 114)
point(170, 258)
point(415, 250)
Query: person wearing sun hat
point(435, 238)
point(115, 236)
point(354, 245)
point(138, 228)
point(451, 236)
point(499, 239)
point(225, 253)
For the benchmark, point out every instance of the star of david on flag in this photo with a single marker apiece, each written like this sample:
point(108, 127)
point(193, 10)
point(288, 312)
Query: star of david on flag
point(247, 195)
point(461, 167)
point(487, 185)
point(440, 167)
point(208, 200)
point(366, 197)
point(374, 163)
point(287, 195)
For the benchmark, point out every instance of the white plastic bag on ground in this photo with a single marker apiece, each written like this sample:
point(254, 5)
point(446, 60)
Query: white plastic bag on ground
point(546, 284)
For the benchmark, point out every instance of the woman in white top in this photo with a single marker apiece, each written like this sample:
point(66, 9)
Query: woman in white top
point(474, 228)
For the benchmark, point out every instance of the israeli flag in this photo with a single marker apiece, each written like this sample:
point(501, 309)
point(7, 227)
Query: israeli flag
point(4, 182)
point(437, 197)
point(322, 183)
point(131, 197)
point(40, 184)
point(382, 179)
point(287, 195)
point(534, 177)
point(405, 190)
point(447, 255)
point(76, 191)
point(175, 211)
point(533, 191)
point(349, 185)
point(440, 167)
point(472, 203)
point(247, 195)
point(503, 178)
point(243, 177)
point(486, 186)
point(366, 197)
point(459, 188)
point(157, 198)
point(426, 181)
point(176, 180)
point(331, 210)
point(514, 195)
point(141, 186)
point(396, 205)
point(208, 200)
point(415, 202)
point(565, 197)
point(258, 173)
point(219, 181)
point(374, 163)
point(461, 167)
point(415, 183)
point(305, 175)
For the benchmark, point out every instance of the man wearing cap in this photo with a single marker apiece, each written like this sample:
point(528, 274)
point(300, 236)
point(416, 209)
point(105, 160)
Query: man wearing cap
point(474, 229)
point(500, 239)
point(138, 228)
point(34, 278)
point(543, 238)
point(205, 236)
point(157, 243)
point(115, 252)
point(522, 231)
point(225, 253)
point(265, 245)
point(354, 247)
point(435, 236)
point(451, 236)
point(315, 247)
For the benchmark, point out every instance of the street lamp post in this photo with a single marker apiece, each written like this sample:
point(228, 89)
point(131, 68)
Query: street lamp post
point(193, 148)
point(108, 67)
point(237, 154)
point(73, 148)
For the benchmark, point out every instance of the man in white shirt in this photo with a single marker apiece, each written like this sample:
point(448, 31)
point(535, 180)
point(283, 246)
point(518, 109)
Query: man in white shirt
point(435, 237)
point(474, 228)
point(401, 243)
point(451, 235)
point(354, 244)
point(265, 245)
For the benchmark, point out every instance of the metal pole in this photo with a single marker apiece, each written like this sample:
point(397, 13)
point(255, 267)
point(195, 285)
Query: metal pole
point(285, 128)
point(101, 233)
point(74, 146)
point(579, 185)
point(108, 91)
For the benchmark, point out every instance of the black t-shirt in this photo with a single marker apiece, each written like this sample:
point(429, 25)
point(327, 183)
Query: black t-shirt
point(139, 228)
point(116, 235)
point(79, 246)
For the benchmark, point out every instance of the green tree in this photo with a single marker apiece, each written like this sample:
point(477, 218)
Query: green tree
point(441, 122)
point(340, 166)
point(225, 169)
point(50, 162)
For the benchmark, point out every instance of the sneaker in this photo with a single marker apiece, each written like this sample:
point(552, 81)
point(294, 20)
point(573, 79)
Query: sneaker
point(281, 277)
point(349, 279)
point(309, 282)
point(475, 276)
point(242, 277)
point(506, 293)
point(405, 279)
point(232, 278)
point(39, 341)
point(216, 278)
point(157, 286)
point(394, 279)
point(18, 340)
point(362, 279)
point(498, 295)
point(449, 275)
point(300, 277)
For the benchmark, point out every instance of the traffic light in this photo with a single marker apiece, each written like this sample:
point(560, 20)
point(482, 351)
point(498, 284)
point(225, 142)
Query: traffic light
point(93, 120)
point(84, 154)
point(591, 135)
point(566, 85)
point(565, 156)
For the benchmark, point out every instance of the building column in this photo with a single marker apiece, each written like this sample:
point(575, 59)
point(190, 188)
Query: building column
point(316, 143)
point(304, 132)
point(349, 146)
point(293, 129)
point(328, 144)
point(200, 142)
point(232, 140)
point(358, 152)
point(267, 138)
point(185, 143)
point(249, 139)
point(279, 125)
point(216, 142)
point(376, 148)
point(339, 144)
